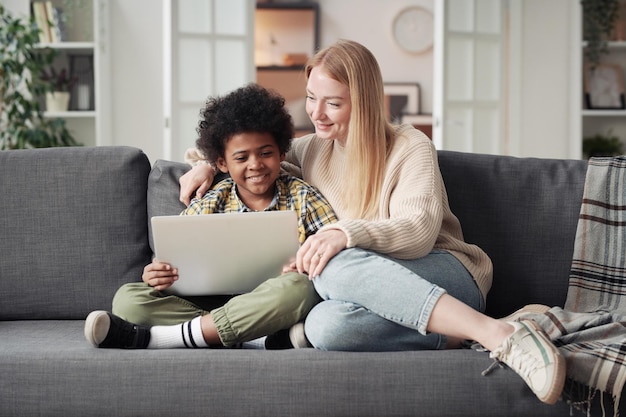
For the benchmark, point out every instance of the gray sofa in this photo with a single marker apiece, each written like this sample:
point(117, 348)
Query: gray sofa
point(74, 227)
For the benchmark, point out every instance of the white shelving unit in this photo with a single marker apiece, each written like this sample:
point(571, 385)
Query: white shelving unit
point(86, 31)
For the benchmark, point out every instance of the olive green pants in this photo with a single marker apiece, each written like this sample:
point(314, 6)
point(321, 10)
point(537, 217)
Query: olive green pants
point(276, 304)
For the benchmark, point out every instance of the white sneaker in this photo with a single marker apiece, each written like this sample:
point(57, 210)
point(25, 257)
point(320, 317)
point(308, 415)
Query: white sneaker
point(527, 309)
point(530, 353)
point(297, 337)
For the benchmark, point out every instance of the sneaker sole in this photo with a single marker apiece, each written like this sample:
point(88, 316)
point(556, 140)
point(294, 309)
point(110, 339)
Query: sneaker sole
point(97, 326)
point(552, 396)
point(297, 337)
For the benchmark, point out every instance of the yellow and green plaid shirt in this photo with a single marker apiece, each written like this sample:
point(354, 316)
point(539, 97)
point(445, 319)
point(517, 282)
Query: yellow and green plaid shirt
point(314, 211)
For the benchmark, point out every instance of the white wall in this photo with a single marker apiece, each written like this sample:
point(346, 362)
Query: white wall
point(546, 79)
point(369, 23)
point(137, 75)
point(16, 6)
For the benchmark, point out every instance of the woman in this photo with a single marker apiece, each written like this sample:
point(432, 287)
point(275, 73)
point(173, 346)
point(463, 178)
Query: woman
point(394, 272)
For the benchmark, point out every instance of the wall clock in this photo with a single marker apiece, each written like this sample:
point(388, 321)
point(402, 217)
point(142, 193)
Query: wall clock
point(412, 29)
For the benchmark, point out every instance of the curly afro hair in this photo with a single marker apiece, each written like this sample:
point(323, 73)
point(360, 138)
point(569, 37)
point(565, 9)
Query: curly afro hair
point(248, 109)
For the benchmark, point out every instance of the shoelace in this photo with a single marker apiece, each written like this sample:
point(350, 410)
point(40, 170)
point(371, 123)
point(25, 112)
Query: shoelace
point(524, 363)
point(494, 364)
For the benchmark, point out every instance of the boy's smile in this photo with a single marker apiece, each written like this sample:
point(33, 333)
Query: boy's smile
point(253, 161)
point(257, 178)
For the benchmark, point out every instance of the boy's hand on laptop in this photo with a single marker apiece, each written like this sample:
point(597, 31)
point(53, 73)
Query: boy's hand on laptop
point(290, 267)
point(318, 249)
point(159, 275)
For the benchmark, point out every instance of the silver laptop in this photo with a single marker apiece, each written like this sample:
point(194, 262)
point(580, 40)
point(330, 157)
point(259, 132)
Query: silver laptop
point(225, 253)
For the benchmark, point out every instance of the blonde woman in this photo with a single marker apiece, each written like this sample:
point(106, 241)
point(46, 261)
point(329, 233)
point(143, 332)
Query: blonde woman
point(394, 272)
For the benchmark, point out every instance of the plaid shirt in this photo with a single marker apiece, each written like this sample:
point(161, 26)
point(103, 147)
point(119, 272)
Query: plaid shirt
point(291, 193)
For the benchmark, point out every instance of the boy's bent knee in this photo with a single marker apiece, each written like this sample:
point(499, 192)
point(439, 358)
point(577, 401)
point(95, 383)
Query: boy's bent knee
point(139, 303)
point(128, 300)
point(295, 289)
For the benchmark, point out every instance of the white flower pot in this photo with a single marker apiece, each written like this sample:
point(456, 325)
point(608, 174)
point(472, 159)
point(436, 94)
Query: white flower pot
point(57, 101)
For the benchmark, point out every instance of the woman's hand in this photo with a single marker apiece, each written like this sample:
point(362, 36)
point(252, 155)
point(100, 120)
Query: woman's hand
point(318, 249)
point(159, 275)
point(197, 180)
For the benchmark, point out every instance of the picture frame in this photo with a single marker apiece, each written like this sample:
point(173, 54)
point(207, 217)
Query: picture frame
point(604, 87)
point(401, 99)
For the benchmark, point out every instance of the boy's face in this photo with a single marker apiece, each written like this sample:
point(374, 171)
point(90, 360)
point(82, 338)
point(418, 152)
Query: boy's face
point(253, 161)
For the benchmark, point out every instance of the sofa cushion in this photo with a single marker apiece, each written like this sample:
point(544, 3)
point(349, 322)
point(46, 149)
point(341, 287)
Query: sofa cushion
point(523, 212)
point(48, 369)
point(74, 229)
point(163, 190)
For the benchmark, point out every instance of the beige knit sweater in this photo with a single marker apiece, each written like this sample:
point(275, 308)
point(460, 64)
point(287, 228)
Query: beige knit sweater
point(413, 217)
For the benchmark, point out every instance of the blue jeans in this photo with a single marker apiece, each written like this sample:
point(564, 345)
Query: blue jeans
point(373, 302)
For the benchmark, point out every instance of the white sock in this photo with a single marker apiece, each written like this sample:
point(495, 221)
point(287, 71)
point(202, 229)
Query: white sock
point(187, 334)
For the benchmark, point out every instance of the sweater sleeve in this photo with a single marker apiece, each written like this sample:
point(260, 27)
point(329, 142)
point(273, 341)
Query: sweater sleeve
point(293, 160)
point(194, 156)
point(411, 207)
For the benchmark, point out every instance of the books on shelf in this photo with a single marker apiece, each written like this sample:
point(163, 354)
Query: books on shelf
point(48, 20)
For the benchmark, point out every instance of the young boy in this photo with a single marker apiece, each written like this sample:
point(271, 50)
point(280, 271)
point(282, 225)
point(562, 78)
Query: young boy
point(246, 134)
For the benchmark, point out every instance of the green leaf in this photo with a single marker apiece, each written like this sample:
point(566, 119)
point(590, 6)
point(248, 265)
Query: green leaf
point(22, 124)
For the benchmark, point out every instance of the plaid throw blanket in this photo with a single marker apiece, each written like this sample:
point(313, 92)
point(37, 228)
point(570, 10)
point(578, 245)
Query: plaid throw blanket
point(590, 331)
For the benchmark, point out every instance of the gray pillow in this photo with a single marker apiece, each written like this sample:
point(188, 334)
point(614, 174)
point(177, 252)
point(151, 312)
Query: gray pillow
point(164, 190)
point(73, 229)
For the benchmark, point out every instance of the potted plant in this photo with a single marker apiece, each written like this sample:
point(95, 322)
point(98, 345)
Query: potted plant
point(602, 145)
point(22, 124)
point(599, 17)
point(61, 83)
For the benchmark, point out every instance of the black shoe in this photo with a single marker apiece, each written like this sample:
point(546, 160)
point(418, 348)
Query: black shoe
point(290, 338)
point(104, 330)
point(278, 340)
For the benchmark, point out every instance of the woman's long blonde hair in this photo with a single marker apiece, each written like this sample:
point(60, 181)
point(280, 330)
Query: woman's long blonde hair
point(369, 133)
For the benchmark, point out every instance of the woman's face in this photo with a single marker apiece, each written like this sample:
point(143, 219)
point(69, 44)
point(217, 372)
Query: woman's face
point(328, 105)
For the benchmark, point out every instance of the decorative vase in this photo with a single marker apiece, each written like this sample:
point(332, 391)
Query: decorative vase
point(57, 101)
point(82, 97)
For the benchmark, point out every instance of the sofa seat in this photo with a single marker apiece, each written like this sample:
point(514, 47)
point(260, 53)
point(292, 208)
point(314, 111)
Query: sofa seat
point(54, 369)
